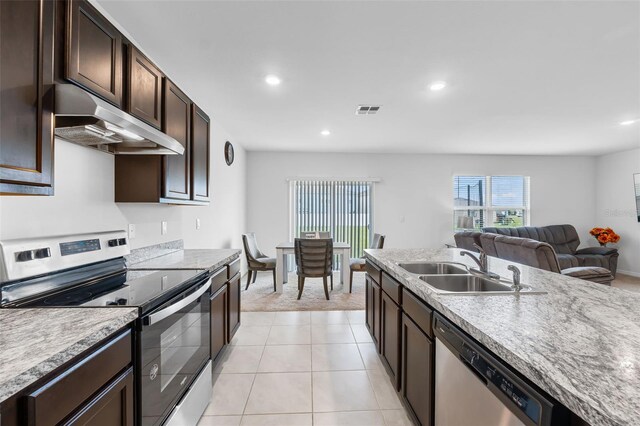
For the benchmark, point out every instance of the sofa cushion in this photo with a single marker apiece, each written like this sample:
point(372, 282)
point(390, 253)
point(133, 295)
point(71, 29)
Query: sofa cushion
point(526, 251)
point(589, 273)
point(567, 261)
point(563, 238)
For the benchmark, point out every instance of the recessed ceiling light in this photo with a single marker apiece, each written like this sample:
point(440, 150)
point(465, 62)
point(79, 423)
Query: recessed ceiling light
point(325, 133)
point(272, 80)
point(437, 85)
point(629, 122)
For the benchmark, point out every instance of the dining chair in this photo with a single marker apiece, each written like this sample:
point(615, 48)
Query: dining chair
point(256, 260)
point(358, 264)
point(314, 259)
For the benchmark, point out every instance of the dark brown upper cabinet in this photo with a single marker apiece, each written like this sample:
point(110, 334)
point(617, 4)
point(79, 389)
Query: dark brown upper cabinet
point(144, 88)
point(200, 128)
point(177, 124)
point(26, 103)
point(93, 52)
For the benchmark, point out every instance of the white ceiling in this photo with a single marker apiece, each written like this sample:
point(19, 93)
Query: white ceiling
point(534, 77)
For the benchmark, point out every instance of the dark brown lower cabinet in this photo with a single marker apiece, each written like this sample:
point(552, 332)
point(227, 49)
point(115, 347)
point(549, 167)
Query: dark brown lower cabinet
point(390, 319)
point(417, 371)
point(96, 388)
point(219, 312)
point(373, 309)
point(234, 306)
point(113, 406)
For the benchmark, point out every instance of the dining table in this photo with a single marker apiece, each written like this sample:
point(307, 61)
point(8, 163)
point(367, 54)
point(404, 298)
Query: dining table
point(287, 248)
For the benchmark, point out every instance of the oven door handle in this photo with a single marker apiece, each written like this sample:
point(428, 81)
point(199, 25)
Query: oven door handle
point(172, 309)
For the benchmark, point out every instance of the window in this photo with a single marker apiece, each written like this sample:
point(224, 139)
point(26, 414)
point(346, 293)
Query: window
point(342, 208)
point(483, 201)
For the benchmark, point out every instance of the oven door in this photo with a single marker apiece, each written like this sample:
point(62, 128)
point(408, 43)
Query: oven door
point(174, 347)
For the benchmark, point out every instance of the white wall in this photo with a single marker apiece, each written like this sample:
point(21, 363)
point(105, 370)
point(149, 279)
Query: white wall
point(616, 205)
point(413, 202)
point(84, 202)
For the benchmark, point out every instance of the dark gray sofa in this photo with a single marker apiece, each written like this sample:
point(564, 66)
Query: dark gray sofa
point(565, 241)
point(539, 255)
point(467, 239)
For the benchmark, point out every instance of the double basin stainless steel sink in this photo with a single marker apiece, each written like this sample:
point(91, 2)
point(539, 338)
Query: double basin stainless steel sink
point(455, 278)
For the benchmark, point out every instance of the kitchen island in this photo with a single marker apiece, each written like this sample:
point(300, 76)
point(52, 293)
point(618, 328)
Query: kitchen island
point(579, 342)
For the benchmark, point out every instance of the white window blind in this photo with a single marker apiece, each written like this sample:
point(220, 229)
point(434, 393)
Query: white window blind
point(490, 201)
point(342, 208)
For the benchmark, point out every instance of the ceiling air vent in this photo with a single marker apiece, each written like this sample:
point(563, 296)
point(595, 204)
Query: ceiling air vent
point(367, 109)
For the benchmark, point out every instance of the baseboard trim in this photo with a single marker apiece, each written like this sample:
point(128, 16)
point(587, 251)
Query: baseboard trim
point(631, 273)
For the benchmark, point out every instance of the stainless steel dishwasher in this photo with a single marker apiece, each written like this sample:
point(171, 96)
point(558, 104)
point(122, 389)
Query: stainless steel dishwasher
point(474, 388)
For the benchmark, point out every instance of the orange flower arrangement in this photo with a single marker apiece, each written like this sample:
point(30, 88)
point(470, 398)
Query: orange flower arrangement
point(605, 235)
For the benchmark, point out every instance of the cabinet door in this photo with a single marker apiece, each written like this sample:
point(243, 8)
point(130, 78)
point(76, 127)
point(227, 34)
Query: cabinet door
point(26, 103)
point(234, 306)
point(219, 313)
point(112, 406)
point(369, 305)
point(376, 293)
point(417, 371)
point(200, 155)
point(177, 123)
point(390, 336)
point(144, 89)
point(93, 54)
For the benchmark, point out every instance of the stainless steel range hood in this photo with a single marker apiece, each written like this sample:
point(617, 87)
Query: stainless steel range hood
point(87, 120)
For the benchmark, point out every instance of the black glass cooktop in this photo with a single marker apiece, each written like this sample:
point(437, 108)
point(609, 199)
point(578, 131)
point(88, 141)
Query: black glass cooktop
point(142, 289)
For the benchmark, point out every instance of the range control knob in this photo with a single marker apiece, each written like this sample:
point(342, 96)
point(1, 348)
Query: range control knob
point(111, 303)
point(121, 301)
point(42, 253)
point(113, 243)
point(122, 241)
point(24, 256)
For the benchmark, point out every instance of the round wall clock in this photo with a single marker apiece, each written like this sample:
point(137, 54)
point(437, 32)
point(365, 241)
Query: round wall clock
point(228, 153)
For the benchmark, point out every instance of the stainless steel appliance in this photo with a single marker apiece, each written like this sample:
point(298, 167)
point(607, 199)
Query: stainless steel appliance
point(475, 388)
point(85, 119)
point(172, 364)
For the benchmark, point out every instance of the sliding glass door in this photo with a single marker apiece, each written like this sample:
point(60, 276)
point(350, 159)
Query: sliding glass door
point(342, 208)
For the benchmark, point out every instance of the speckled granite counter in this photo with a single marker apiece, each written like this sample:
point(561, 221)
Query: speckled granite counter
point(190, 259)
point(34, 342)
point(580, 342)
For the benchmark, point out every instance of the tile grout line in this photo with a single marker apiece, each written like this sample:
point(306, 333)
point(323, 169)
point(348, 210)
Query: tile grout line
point(254, 377)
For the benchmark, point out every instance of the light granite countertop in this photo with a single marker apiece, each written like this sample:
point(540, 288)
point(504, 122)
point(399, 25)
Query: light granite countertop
point(580, 341)
point(34, 342)
point(205, 259)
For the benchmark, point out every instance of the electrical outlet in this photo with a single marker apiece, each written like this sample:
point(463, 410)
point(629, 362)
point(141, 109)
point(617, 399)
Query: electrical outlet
point(197, 223)
point(163, 229)
point(132, 231)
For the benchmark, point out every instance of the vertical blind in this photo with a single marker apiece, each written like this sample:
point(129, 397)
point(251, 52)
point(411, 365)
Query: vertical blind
point(342, 208)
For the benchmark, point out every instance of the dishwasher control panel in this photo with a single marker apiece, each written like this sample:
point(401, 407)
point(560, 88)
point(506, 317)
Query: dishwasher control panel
point(528, 405)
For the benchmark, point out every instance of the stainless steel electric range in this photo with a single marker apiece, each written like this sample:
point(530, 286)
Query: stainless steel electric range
point(172, 352)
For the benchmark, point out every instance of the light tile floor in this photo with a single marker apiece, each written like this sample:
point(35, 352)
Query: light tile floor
point(303, 368)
